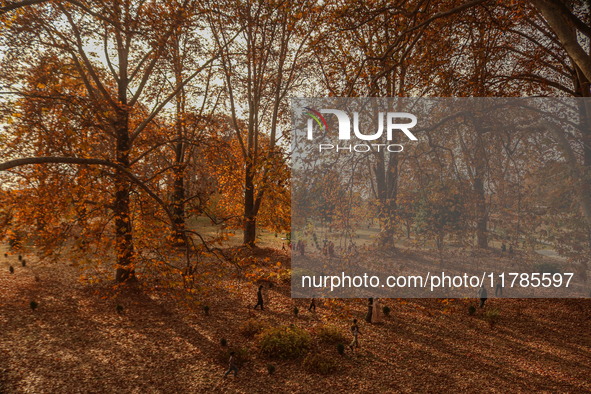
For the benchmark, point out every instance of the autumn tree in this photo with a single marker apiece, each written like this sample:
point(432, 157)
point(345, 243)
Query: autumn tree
point(569, 24)
point(223, 159)
point(261, 70)
point(400, 49)
point(542, 42)
point(117, 84)
point(194, 106)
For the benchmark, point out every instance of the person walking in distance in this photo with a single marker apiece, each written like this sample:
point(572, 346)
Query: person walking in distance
point(232, 365)
point(482, 294)
point(355, 332)
point(312, 305)
point(498, 289)
point(260, 298)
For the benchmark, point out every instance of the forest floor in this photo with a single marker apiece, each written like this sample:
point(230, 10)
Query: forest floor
point(76, 342)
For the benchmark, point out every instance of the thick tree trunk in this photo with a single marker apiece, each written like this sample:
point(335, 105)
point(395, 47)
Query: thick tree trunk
point(586, 136)
point(387, 185)
point(387, 225)
point(554, 13)
point(582, 87)
point(249, 208)
point(178, 206)
point(479, 176)
point(250, 227)
point(481, 213)
point(178, 193)
point(123, 229)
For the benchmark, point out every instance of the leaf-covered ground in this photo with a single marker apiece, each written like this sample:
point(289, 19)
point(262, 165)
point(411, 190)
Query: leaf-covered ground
point(76, 342)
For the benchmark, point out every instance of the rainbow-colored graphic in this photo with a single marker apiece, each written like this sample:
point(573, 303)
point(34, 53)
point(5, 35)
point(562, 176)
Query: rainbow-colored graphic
point(315, 114)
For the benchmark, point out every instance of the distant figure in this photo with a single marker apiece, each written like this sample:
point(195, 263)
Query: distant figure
point(260, 298)
point(510, 252)
point(355, 332)
point(503, 249)
point(232, 365)
point(312, 305)
point(482, 295)
point(376, 315)
point(302, 248)
point(369, 310)
point(499, 289)
point(283, 247)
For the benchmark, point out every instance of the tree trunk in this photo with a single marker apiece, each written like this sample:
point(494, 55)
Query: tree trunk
point(250, 227)
point(481, 214)
point(479, 175)
point(387, 185)
point(249, 208)
point(553, 13)
point(582, 86)
point(178, 193)
point(178, 206)
point(123, 229)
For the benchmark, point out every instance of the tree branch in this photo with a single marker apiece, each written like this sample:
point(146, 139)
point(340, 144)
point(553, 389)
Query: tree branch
point(82, 161)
